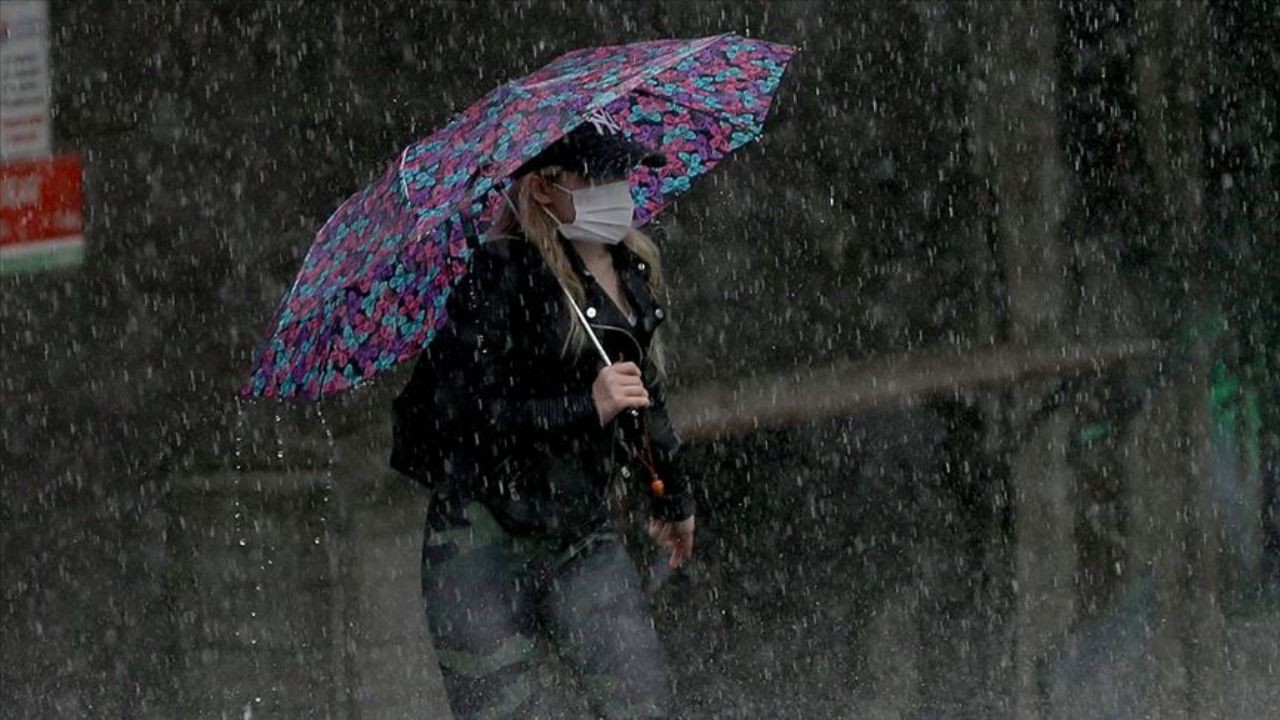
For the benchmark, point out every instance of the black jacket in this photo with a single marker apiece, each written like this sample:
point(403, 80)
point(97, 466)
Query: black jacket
point(495, 411)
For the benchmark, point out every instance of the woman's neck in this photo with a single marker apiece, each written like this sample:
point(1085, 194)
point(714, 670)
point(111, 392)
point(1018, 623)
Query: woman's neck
point(592, 252)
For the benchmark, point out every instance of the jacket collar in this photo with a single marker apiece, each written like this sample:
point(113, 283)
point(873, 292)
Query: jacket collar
point(634, 276)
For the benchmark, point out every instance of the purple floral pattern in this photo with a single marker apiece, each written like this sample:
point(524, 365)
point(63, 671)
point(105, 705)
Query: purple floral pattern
point(372, 290)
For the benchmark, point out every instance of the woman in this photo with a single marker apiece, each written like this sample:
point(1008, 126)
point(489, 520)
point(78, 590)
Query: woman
point(518, 426)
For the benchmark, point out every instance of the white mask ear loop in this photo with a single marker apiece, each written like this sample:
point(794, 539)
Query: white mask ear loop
point(551, 215)
point(514, 210)
point(564, 190)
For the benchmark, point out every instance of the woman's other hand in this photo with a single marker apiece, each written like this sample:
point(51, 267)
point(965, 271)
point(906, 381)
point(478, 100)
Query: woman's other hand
point(674, 536)
point(618, 387)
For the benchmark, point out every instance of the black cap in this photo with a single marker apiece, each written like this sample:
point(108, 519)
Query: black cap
point(596, 148)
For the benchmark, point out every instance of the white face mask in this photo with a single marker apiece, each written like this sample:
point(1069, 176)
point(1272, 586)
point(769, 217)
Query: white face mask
point(602, 213)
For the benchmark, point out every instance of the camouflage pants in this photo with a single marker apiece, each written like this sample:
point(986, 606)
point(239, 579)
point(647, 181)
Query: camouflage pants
point(495, 601)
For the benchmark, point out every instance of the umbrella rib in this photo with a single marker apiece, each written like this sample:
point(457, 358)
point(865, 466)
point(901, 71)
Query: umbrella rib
point(679, 55)
point(400, 174)
point(693, 108)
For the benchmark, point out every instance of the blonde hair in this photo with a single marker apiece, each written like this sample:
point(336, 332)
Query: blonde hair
point(540, 229)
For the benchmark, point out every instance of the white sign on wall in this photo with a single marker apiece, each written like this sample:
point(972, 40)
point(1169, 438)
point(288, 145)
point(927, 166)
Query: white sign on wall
point(24, 80)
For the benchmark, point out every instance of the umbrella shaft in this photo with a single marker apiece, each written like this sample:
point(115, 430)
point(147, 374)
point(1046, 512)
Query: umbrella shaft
point(587, 326)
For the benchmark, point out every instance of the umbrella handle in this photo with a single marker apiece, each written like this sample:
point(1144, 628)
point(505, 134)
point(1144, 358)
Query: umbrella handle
point(586, 326)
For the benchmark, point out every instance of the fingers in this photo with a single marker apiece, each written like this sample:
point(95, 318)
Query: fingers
point(679, 554)
point(660, 533)
point(626, 368)
point(675, 537)
point(655, 529)
point(631, 396)
point(629, 387)
point(619, 371)
point(616, 375)
point(622, 378)
point(624, 387)
point(683, 549)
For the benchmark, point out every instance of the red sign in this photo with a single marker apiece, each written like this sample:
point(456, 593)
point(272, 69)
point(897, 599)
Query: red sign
point(41, 213)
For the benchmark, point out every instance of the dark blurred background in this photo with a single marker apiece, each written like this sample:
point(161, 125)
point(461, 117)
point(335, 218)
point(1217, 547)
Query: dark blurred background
point(976, 355)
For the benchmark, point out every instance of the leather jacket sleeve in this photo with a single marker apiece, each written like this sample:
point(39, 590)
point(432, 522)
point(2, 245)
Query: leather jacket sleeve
point(677, 502)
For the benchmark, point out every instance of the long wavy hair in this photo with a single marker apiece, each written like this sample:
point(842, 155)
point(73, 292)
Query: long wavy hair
point(536, 226)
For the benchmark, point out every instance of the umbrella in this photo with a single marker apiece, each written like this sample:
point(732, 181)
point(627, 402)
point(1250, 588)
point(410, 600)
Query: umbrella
point(373, 288)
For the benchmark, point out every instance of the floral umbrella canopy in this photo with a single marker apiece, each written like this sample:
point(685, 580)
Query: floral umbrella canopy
point(373, 288)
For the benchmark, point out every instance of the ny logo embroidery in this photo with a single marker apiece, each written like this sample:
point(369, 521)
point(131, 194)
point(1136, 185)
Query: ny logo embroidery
point(601, 121)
